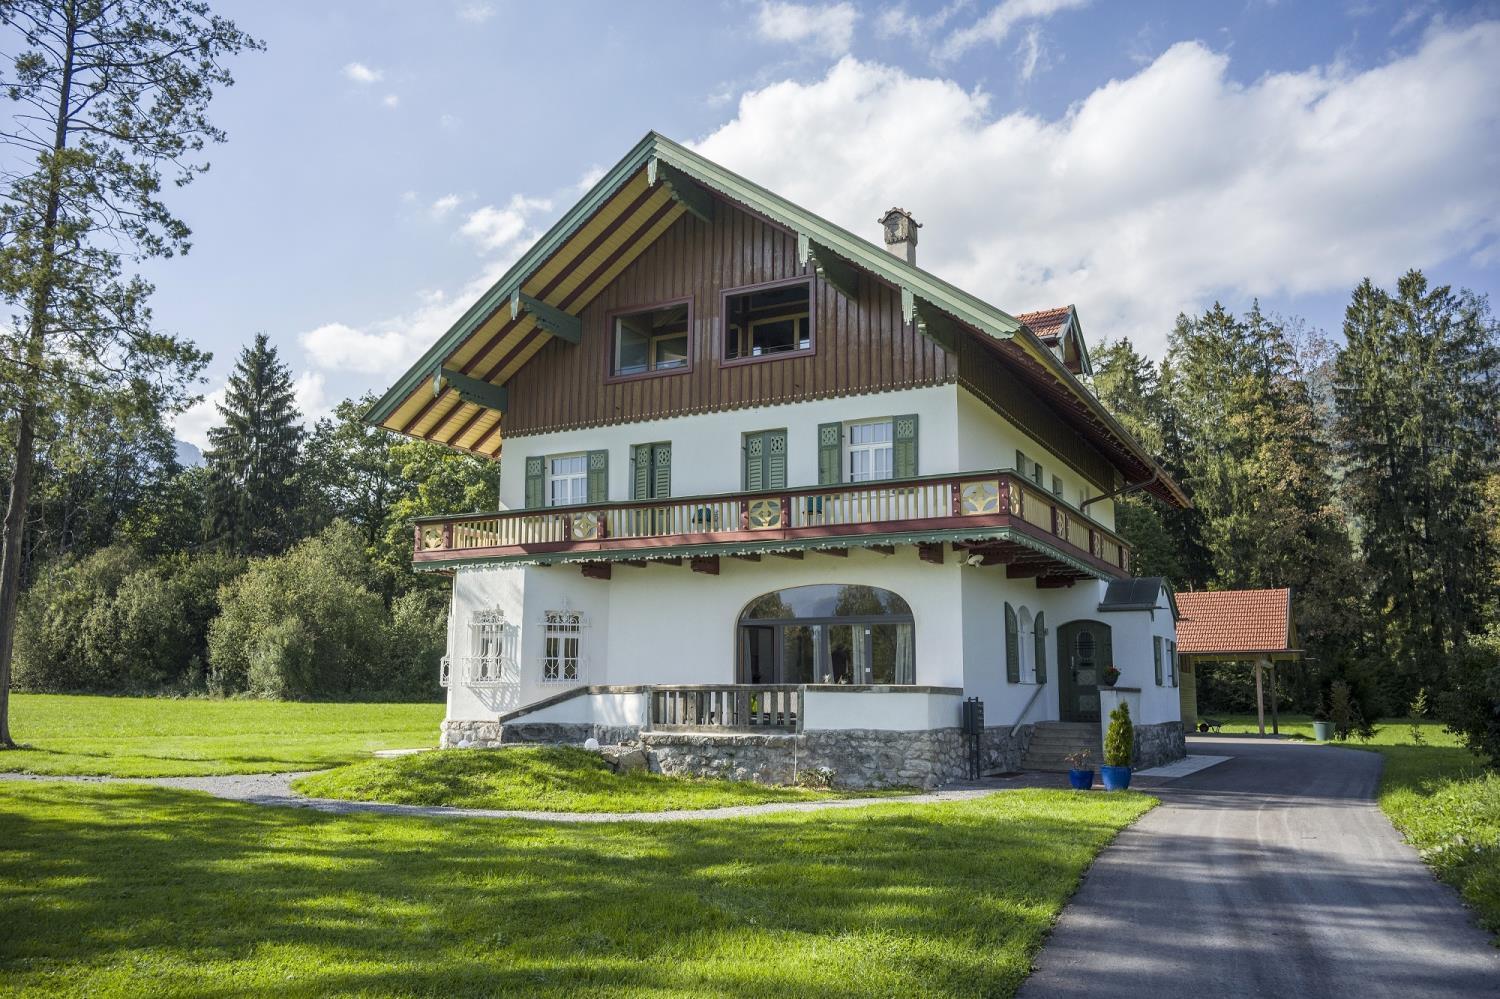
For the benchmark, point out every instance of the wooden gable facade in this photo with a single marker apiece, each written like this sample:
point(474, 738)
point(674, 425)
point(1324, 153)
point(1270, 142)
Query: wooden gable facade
point(860, 344)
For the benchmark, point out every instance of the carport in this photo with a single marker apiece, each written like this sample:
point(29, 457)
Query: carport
point(1218, 626)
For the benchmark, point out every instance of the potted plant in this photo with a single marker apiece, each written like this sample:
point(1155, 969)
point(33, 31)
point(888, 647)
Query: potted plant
point(1080, 774)
point(1322, 727)
point(1119, 749)
point(1111, 674)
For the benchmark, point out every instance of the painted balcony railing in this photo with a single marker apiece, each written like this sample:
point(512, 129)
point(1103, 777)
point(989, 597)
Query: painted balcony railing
point(929, 506)
point(727, 707)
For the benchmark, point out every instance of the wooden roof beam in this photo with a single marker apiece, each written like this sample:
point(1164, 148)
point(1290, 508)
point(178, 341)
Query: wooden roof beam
point(832, 268)
point(684, 190)
point(472, 390)
point(548, 317)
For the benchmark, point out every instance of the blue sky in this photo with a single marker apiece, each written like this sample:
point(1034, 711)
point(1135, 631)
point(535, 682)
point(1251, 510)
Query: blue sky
point(387, 160)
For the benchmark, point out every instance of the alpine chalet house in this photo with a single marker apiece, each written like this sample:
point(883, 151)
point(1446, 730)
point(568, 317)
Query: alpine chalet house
point(776, 499)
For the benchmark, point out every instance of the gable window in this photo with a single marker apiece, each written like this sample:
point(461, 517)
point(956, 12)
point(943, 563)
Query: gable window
point(650, 341)
point(562, 647)
point(768, 321)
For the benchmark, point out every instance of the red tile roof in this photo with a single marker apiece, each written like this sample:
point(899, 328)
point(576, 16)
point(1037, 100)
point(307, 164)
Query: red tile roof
point(1047, 323)
point(1234, 621)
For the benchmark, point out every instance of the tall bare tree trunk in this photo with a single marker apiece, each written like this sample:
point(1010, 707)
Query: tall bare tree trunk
point(19, 503)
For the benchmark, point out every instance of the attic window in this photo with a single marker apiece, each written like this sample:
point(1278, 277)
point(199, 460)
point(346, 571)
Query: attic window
point(768, 321)
point(650, 341)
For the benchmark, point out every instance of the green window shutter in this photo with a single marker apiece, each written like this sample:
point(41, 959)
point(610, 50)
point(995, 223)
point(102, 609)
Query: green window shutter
point(1040, 636)
point(598, 476)
point(1012, 646)
point(830, 453)
point(661, 471)
point(534, 482)
point(1036, 474)
point(1172, 660)
point(776, 459)
point(1021, 463)
point(905, 446)
point(640, 472)
point(1156, 648)
point(754, 448)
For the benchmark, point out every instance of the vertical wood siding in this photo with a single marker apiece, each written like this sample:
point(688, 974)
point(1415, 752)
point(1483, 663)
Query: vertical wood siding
point(859, 346)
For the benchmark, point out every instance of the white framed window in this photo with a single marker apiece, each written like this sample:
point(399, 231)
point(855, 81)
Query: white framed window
point(567, 479)
point(492, 642)
point(871, 450)
point(1026, 650)
point(562, 646)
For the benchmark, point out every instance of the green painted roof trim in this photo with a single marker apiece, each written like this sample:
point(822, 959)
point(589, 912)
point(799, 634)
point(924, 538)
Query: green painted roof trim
point(768, 548)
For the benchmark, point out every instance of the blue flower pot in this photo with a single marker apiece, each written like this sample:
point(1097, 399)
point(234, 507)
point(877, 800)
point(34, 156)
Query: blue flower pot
point(1115, 778)
point(1081, 780)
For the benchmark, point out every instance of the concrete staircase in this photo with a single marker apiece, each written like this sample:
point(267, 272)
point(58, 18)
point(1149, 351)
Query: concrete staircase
point(1051, 741)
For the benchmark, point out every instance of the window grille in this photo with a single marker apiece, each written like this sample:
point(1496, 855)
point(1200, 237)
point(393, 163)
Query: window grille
point(493, 643)
point(562, 647)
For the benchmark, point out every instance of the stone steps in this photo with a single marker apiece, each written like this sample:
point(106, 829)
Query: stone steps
point(1052, 742)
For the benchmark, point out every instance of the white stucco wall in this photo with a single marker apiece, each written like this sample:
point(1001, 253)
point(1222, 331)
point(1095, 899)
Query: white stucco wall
point(895, 711)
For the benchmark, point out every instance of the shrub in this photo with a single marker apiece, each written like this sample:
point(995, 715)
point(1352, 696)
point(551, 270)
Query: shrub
point(1471, 705)
point(1346, 713)
point(1119, 741)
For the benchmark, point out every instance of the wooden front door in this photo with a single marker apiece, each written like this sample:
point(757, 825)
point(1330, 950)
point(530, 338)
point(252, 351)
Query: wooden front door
point(1083, 650)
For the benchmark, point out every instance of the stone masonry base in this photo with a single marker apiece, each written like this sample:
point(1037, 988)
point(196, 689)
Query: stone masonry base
point(856, 758)
point(1158, 744)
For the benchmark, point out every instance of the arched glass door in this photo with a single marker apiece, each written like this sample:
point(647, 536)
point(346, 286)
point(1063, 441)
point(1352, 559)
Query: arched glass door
point(827, 633)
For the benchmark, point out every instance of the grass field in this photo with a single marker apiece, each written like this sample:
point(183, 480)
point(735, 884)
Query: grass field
point(156, 737)
point(552, 779)
point(1440, 798)
point(129, 891)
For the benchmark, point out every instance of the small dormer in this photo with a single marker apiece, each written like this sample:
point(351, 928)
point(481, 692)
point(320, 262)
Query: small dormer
point(1060, 332)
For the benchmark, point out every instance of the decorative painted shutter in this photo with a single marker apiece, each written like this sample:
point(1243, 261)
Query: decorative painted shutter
point(640, 471)
point(1012, 646)
point(535, 495)
point(1040, 637)
point(905, 446)
point(776, 459)
point(1156, 648)
point(661, 471)
point(830, 453)
point(598, 476)
point(754, 446)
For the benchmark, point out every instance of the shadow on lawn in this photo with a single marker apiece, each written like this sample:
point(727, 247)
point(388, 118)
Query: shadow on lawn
point(142, 890)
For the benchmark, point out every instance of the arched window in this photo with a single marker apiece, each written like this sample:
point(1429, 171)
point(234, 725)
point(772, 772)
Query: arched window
point(827, 633)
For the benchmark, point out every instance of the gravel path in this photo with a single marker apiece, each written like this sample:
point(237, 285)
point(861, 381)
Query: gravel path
point(276, 789)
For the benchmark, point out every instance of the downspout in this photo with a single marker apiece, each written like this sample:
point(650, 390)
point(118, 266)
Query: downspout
point(1127, 488)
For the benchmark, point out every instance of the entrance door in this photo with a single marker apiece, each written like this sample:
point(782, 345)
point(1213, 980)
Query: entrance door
point(1083, 650)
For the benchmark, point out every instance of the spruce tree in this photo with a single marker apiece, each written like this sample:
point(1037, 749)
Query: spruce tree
point(254, 459)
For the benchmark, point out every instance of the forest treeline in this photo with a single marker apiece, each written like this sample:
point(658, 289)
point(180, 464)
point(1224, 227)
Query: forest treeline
point(280, 567)
point(1363, 474)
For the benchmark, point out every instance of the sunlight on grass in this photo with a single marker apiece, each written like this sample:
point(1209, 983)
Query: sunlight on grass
point(549, 779)
point(159, 737)
point(129, 891)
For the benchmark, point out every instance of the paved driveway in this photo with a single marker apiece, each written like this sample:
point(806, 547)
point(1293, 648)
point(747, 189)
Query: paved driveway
point(1271, 874)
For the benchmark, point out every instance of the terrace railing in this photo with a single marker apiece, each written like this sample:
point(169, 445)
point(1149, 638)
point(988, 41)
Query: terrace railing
point(727, 708)
point(931, 503)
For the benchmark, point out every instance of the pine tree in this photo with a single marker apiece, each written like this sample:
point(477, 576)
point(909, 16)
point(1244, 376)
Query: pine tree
point(1417, 388)
point(255, 458)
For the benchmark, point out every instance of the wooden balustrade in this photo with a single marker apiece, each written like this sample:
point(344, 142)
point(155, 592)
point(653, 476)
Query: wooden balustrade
point(929, 503)
point(727, 707)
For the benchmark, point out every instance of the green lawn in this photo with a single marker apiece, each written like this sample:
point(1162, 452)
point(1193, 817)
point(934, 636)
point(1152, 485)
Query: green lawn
point(129, 891)
point(1441, 799)
point(157, 737)
point(550, 779)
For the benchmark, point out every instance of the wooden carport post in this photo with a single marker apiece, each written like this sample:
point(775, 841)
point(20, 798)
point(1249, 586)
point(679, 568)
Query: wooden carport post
point(1260, 695)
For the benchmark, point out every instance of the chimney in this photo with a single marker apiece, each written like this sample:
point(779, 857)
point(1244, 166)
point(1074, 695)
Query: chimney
point(901, 233)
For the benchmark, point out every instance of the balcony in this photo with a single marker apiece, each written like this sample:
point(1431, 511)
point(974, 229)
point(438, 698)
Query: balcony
point(989, 518)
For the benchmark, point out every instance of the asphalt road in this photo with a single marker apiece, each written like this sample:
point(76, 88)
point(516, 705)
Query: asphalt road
point(1271, 874)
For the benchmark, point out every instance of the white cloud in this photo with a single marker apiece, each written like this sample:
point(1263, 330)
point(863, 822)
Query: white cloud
point(311, 391)
point(996, 26)
point(827, 29)
point(1157, 192)
point(362, 74)
point(192, 424)
point(496, 228)
point(1031, 53)
point(390, 100)
point(476, 13)
point(449, 120)
point(591, 176)
point(445, 205)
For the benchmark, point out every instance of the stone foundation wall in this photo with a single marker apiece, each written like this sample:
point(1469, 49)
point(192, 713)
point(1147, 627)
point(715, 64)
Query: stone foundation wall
point(858, 758)
point(1158, 744)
